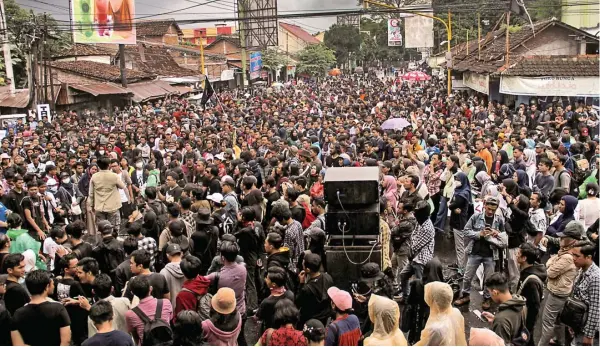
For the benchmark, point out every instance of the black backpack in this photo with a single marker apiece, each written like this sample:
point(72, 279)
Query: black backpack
point(157, 332)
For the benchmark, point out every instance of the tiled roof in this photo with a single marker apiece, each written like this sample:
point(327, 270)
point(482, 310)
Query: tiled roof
point(18, 100)
point(555, 65)
point(494, 49)
point(100, 71)
point(157, 60)
point(82, 50)
point(299, 32)
point(235, 40)
point(155, 27)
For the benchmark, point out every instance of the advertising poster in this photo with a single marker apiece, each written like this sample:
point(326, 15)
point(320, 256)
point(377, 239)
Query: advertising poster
point(255, 65)
point(103, 21)
point(394, 32)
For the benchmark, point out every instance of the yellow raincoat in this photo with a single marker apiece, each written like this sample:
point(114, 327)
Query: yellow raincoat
point(445, 325)
point(385, 315)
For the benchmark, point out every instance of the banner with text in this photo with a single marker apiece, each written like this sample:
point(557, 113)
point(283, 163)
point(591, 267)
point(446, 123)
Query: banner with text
point(255, 65)
point(550, 86)
point(477, 82)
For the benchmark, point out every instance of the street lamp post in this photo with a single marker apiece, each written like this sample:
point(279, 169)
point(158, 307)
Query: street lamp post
point(448, 26)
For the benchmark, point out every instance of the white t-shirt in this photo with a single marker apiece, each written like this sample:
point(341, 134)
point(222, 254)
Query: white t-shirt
point(587, 211)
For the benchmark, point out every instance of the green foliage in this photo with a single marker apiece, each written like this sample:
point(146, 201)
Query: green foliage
point(344, 39)
point(273, 60)
point(25, 29)
point(315, 60)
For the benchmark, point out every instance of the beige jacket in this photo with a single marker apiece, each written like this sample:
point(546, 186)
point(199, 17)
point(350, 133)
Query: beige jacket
point(120, 307)
point(561, 273)
point(104, 193)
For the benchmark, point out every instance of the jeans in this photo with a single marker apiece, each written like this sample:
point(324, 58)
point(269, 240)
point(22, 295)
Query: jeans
point(440, 219)
point(550, 325)
point(399, 261)
point(513, 269)
point(472, 264)
point(410, 269)
point(113, 217)
point(459, 247)
point(251, 292)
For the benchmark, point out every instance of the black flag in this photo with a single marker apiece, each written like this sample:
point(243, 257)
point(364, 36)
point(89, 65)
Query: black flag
point(208, 92)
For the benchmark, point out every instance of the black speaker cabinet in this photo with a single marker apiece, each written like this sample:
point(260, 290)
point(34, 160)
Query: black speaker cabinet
point(342, 270)
point(352, 221)
point(356, 186)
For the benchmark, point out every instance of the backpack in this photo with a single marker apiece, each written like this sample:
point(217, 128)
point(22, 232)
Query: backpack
point(157, 332)
point(162, 218)
point(309, 217)
point(523, 335)
point(203, 304)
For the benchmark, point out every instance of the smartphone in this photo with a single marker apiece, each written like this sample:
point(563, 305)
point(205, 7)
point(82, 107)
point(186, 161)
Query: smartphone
point(478, 314)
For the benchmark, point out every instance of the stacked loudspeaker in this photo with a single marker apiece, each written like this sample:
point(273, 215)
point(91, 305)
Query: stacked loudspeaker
point(351, 221)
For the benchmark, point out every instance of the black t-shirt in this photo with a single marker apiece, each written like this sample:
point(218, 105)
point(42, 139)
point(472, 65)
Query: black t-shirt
point(266, 311)
point(40, 324)
point(2, 256)
point(82, 250)
point(298, 213)
point(70, 288)
point(158, 283)
point(112, 338)
point(5, 324)
point(481, 247)
point(15, 297)
point(32, 205)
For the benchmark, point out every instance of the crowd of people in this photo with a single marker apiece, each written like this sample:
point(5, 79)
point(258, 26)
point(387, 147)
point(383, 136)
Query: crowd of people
point(171, 223)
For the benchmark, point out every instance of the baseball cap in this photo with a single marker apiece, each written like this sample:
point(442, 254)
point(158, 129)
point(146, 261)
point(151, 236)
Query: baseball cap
point(573, 230)
point(228, 180)
point(340, 298)
point(224, 301)
point(4, 156)
point(492, 200)
point(220, 156)
point(216, 197)
point(174, 248)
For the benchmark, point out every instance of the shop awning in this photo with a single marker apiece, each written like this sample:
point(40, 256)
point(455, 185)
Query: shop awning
point(100, 89)
point(151, 90)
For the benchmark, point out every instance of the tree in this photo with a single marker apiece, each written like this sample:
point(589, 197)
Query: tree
point(273, 60)
point(344, 39)
point(315, 60)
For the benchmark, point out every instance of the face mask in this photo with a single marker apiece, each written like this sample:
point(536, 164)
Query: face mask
point(101, 152)
point(139, 166)
point(53, 189)
point(457, 184)
point(444, 159)
point(66, 181)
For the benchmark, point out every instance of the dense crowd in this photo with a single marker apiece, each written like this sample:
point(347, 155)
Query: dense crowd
point(175, 223)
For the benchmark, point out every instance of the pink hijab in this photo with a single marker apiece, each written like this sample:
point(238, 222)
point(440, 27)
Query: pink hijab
point(389, 184)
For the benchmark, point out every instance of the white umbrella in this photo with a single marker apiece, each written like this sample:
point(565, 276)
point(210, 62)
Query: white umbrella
point(395, 124)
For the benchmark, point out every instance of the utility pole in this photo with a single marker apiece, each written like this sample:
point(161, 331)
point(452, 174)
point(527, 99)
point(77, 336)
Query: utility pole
point(241, 16)
point(6, 46)
point(507, 39)
point(122, 65)
point(44, 60)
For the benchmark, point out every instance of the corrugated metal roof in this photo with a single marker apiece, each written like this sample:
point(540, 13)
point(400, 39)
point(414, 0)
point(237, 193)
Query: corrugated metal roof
point(150, 90)
point(19, 100)
point(100, 89)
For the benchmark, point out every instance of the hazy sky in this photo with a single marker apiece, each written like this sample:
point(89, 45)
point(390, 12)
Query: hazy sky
point(221, 9)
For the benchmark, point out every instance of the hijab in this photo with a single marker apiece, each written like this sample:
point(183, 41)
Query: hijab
point(487, 186)
point(390, 186)
point(523, 179)
point(506, 171)
point(464, 191)
point(511, 187)
point(503, 160)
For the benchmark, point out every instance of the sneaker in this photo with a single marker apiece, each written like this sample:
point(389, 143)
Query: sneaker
point(486, 304)
point(465, 299)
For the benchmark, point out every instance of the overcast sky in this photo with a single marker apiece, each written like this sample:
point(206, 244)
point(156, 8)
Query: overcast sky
point(221, 9)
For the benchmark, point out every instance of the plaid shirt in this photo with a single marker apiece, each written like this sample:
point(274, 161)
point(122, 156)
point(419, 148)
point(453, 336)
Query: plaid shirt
point(432, 179)
point(148, 244)
point(189, 218)
point(294, 239)
point(587, 288)
point(422, 242)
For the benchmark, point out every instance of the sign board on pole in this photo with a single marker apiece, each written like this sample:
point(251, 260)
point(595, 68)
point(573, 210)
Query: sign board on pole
point(418, 31)
point(227, 75)
point(255, 65)
point(100, 21)
point(394, 32)
point(43, 110)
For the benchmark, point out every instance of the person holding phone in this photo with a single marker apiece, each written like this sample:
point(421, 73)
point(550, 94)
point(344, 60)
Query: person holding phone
point(485, 235)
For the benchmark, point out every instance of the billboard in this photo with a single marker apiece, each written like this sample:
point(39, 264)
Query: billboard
point(259, 19)
point(255, 65)
point(103, 21)
point(418, 32)
point(394, 32)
